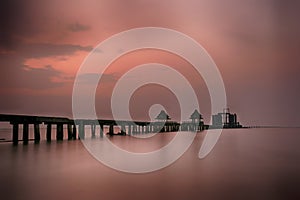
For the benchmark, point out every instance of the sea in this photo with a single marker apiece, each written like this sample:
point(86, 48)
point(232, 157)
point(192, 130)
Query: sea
point(256, 163)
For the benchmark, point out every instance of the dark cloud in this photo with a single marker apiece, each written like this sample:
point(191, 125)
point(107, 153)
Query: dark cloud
point(39, 50)
point(77, 27)
point(14, 74)
point(39, 78)
point(92, 78)
point(22, 76)
point(48, 105)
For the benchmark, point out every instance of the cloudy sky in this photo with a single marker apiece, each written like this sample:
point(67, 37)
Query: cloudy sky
point(254, 43)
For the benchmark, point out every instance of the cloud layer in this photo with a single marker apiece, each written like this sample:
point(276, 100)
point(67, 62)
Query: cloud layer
point(254, 43)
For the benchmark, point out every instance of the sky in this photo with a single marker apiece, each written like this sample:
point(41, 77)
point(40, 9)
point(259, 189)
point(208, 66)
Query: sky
point(254, 43)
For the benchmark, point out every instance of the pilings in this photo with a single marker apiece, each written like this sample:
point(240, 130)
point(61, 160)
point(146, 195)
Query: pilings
point(79, 126)
point(48, 133)
point(70, 134)
point(25, 133)
point(93, 130)
point(101, 130)
point(15, 137)
point(74, 132)
point(59, 132)
point(127, 128)
point(37, 136)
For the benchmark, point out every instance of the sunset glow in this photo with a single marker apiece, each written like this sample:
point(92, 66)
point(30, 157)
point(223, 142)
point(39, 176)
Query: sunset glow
point(254, 44)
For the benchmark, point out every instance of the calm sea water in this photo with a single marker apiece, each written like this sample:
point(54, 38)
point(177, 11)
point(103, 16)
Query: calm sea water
point(245, 164)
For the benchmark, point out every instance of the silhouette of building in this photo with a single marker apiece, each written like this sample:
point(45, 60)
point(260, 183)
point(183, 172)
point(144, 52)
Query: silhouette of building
point(197, 120)
point(196, 117)
point(163, 116)
point(225, 120)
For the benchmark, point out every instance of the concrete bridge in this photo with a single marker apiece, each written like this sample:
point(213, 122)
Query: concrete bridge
point(127, 127)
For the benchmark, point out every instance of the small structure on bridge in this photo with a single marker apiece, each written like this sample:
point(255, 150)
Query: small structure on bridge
point(163, 116)
point(196, 123)
point(196, 117)
point(197, 120)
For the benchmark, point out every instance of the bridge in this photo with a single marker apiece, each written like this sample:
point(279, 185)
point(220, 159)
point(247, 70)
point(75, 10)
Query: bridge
point(78, 125)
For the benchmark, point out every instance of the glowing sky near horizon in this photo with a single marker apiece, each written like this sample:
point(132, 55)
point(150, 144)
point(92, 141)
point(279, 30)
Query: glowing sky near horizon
point(255, 44)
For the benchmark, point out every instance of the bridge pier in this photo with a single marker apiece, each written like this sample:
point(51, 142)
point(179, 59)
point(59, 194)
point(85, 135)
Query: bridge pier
point(25, 133)
point(93, 129)
point(123, 128)
point(59, 131)
point(15, 137)
point(70, 134)
point(101, 130)
point(74, 132)
point(138, 129)
point(37, 136)
point(129, 129)
point(48, 132)
point(151, 129)
point(111, 129)
point(143, 129)
point(81, 133)
point(135, 129)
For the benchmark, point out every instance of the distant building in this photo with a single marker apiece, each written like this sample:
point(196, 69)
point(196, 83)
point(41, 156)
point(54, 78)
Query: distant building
point(197, 121)
point(196, 117)
point(217, 120)
point(225, 120)
point(163, 116)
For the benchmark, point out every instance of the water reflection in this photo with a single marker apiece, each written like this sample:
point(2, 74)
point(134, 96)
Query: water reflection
point(245, 164)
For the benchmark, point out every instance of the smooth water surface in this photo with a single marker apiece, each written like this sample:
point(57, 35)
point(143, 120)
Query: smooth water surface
point(245, 164)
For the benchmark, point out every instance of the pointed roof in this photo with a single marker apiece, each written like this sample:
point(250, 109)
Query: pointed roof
point(196, 115)
point(163, 116)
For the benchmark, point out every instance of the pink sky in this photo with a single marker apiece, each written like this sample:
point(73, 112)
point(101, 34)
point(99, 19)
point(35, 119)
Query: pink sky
point(254, 44)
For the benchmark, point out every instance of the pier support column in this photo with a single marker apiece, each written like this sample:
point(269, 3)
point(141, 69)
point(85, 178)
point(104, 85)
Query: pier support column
point(59, 131)
point(15, 133)
point(129, 129)
point(81, 133)
point(25, 133)
point(101, 130)
point(70, 134)
point(93, 129)
point(135, 129)
point(138, 129)
point(143, 129)
point(48, 134)
point(111, 129)
point(123, 128)
point(74, 132)
point(162, 129)
point(37, 136)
